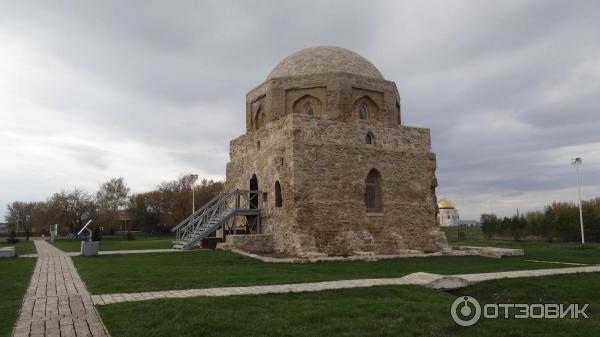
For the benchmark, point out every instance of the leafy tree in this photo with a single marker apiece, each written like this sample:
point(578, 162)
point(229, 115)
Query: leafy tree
point(489, 225)
point(111, 197)
point(146, 209)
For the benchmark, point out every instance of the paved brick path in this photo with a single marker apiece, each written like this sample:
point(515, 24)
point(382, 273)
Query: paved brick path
point(120, 252)
point(424, 279)
point(57, 302)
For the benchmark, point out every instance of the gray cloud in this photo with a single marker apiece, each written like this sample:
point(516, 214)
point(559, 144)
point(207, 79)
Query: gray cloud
point(150, 89)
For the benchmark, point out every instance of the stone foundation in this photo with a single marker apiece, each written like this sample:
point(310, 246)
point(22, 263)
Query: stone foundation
point(253, 243)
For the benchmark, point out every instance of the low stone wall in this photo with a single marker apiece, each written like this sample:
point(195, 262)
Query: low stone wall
point(7, 252)
point(252, 243)
point(491, 251)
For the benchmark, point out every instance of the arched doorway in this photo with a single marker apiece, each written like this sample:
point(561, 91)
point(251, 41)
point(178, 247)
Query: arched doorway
point(254, 196)
point(252, 220)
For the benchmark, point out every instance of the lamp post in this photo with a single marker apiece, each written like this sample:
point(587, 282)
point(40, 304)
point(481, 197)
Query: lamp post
point(194, 177)
point(577, 162)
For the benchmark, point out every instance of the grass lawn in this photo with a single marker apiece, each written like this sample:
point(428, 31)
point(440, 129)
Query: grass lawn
point(375, 311)
point(120, 243)
point(210, 268)
point(14, 279)
point(534, 250)
point(21, 247)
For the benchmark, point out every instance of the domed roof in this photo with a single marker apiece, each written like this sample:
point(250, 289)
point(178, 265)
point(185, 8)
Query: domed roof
point(324, 59)
point(445, 203)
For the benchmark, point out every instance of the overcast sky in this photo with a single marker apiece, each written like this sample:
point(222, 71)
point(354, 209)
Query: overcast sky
point(150, 89)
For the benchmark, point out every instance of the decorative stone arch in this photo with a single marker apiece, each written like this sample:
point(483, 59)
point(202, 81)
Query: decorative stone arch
point(278, 196)
point(372, 109)
point(307, 103)
point(373, 200)
point(260, 118)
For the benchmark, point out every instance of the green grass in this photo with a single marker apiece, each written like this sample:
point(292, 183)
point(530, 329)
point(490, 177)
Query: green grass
point(572, 252)
point(208, 268)
point(14, 279)
point(567, 289)
point(21, 247)
point(376, 311)
point(548, 251)
point(120, 243)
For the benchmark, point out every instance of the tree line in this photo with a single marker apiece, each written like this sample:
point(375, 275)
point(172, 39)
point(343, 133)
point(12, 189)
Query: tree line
point(154, 211)
point(557, 222)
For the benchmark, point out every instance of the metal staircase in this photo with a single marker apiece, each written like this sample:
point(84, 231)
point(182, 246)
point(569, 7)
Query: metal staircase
point(220, 212)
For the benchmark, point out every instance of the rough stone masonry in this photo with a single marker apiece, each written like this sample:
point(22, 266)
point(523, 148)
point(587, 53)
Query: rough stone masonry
point(338, 172)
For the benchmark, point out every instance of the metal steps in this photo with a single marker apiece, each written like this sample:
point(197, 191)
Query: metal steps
point(214, 215)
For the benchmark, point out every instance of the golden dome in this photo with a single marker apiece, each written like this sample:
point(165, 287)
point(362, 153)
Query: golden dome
point(445, 203)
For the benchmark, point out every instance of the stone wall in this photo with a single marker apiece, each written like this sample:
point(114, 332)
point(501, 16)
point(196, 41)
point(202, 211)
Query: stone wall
point(321, 165)
point(337, 93)
point(254, 243)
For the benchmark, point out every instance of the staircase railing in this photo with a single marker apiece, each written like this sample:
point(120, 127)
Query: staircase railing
point(219, 209)
point(196, 215)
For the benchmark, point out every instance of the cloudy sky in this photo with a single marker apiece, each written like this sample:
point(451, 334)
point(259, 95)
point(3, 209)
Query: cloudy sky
point(150, 89)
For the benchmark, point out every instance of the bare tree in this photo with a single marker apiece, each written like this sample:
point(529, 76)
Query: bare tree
point(72, 208)
point(20, 214)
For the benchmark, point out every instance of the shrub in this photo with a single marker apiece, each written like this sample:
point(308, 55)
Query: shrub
point(97, 233)
point(130, 236)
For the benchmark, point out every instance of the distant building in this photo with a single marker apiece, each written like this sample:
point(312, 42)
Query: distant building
point(447, 215)
point(469, 223)
point(126, 221)
point(3, 228)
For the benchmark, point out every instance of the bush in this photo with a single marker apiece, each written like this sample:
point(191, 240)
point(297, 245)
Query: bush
point(130, 236)
point(97, 233)
point(461, 235)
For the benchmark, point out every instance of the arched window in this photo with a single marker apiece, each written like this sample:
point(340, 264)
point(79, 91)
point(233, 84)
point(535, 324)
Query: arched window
point(260, 119)
point(307, 105)
point(309, 109)
point(369, 138)
point(373, 191)
point(363, 111)
point(278, 198)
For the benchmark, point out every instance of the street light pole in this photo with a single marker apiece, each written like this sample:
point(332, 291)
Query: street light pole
point(577, 162)
point(194, 178)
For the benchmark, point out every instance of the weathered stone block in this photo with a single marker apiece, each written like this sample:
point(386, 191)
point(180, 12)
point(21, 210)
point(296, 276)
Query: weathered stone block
point(253, 243)
point(89, 248)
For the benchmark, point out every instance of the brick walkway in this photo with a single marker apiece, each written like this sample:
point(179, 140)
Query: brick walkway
point(57, 302)
point(424, 279)
point(121, 252)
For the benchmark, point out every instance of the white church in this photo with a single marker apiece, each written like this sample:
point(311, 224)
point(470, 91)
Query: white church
point(448, 215)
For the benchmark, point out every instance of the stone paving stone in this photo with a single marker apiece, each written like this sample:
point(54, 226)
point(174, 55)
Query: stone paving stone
point(57, 302)
point(425, 279)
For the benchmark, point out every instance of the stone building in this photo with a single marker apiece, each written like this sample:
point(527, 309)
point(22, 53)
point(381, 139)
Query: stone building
point(448, 214)
point(339, 173)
